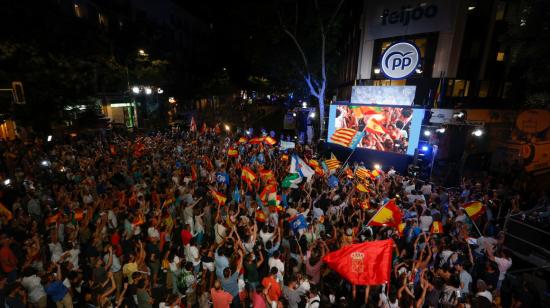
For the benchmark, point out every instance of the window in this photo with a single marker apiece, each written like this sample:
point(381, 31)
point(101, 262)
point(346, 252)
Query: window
point(460, 88)
point(500, 56)
point(103, 21)
point(483, 89)
point(78, 11)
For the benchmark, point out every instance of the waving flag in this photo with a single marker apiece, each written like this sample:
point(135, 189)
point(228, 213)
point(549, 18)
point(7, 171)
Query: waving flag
point(207, 163)
point(388, 215)
point(270, 140)
point(248, 175)
point(218, 197)
point(474, 209)
point(266, 174)
point(347, 137)
point(232, 152)
point(401, 228)
point(242, 140)
point(260, 215)
point(297, 165)
point(297, 222)
point(268, 189)
point(361, 187)
point(256, 140)
point(284, 157)
point(374, 126)
point(436, 228)
point(363, 264)
point(333, 163)
point(362, 173)
point(291, 181)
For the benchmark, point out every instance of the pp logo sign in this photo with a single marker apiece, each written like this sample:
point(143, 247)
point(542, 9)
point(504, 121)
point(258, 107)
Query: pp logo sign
point(400, 60)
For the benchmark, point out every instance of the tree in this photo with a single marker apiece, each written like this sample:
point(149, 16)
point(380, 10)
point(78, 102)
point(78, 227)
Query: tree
point(315, 79)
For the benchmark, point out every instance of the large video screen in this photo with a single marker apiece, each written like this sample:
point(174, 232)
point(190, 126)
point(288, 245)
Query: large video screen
point(389, 129)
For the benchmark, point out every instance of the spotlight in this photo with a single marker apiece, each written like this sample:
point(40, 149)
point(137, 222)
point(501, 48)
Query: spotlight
point(377, 70)
point(425, 148)
point(247, 132)
point(294, 114)
point(478, 132)
point(49, 138)
point(427, 133)
point(440, 130)
point(160, 91)
point(45, 163)
point(458, 115)
point(148, 91)
point(135, 90)
point(377, 166)
point(7, 182)
point(312, 115)
point(418, 71)
point(227, 128)
point(304, 105)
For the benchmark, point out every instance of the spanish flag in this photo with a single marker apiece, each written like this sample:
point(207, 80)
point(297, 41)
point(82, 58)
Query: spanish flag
point(248, 175)
point(269, 140)
point(365, 204)
point(242, 140)
point(260, 215)
point(284, 157)
point(232, 152)
point(437, 227)
point(266, 174)
point(268, 189)
point(256, 140)
point(219, 198)
point(52, 219)
point(374, 126)
point(388, 215)
point(474, 209)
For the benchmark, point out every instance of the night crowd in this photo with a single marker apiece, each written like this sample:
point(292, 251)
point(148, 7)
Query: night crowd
point(133, 222)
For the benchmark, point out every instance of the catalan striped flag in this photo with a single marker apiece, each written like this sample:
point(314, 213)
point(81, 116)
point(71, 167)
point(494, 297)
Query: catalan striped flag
point(437, 227)
point(474, 209)
point(374, 126)
point(388, 215)
point(269, 140)
point(333, 163)
point(362, 173)
point(218, 197)
point(232, 152)
point(347, 137)
point(248, 175)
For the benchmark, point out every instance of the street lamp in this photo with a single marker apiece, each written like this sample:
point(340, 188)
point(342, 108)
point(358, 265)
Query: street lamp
point(427, 133)
point(312, 114)
point(227, 128)
point(304, 105)
point(148, 91)
point(478, 132)
point(135, 89)
point(142, 53)
point(377, 166)
point(160, 91)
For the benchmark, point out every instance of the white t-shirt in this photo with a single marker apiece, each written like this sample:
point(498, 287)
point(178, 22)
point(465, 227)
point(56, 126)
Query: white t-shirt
point(34, 288)
point(278, 264)
point(486, 294)
point(266, 236)
point(192, 254)
point(56, 250)
point(152, 232)
point(426, 223)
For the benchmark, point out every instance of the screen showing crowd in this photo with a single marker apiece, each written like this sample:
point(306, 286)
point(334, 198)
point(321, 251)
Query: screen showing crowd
point(386, 128)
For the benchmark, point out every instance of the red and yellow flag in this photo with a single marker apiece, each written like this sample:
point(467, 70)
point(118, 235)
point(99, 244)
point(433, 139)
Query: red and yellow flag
point(437, 227)
point(256, 140)
point(284, 157)
point(260, 215)
point(232, 152)
point(401, 228)
point(269, 140)
point(52, 219)
point(242, 140)
point(474, 209)
point(374, 126)
point(248, 175)
point(266, 174)
point(218, 197)
point(207, 163)
point(361, 187)
point(268, 189)
point(388, 215)
point(194, 175)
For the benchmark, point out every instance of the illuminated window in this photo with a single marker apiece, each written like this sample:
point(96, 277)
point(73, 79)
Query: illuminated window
point(78, 11)
point(103, 21)
point(483, 89)
point(500, 56)
point(460, 88)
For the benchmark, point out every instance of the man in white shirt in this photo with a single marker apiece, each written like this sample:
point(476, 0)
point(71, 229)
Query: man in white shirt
point(115, 267)
point(504, 262)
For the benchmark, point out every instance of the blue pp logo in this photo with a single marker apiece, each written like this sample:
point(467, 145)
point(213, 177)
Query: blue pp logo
point(400, 60)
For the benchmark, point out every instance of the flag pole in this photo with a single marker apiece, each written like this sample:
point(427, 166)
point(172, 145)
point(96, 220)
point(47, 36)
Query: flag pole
point(377, 211)
point(473, 222)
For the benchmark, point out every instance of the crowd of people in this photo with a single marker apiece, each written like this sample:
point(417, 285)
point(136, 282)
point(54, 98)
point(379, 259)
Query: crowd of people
point(168, 220)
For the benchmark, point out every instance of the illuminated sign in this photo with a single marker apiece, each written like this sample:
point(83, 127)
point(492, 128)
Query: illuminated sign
point(400, 60)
